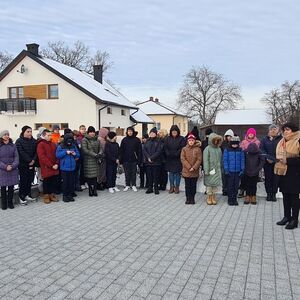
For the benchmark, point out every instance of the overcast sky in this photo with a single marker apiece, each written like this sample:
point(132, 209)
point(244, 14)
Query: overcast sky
point(154, 43)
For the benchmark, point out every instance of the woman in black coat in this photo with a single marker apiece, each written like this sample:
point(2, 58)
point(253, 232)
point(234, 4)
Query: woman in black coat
point(173, 145)
point(288, 168)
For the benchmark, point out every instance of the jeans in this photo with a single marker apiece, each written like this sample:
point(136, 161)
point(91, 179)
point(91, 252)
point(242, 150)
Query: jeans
point(111, 175)
point(130, 173)
point(233, 181)
point(190, 187)
point(68, 182)
point(174, 179)
point(26, 179)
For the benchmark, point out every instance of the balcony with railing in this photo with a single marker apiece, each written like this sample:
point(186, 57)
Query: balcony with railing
point(18, 106)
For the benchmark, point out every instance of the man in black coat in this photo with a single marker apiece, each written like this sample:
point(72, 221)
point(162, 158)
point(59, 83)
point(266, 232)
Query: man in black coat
point(130, 157)
point(26, 146)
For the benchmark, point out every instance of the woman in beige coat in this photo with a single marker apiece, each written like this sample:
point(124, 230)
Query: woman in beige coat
point(191, 157)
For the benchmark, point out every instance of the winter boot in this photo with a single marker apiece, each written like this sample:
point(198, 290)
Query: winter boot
point(46, 198)
point(253, 200)
point(176, 189)
point(192, 200)
point(292, 224)
point(187, 201)
point(65, 198)
point(269, 197)
point(247, 200)
point(4, 200)
point(209, 200)
point(53, 198)
point(283, 222)
point(10, 199)
point(274, 197)
point(95, 191)
point(213, 199)
point(156, 191)
point(171, 190)
point(90, 190)
point(149, 190)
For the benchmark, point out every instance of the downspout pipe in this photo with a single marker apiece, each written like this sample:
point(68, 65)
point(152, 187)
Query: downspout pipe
point(99, 115)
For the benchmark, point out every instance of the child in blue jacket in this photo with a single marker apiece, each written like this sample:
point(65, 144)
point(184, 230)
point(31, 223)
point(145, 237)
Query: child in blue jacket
point(234, 165)
point(67, 153)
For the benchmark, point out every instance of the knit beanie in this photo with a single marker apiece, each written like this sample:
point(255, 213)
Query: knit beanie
point(208, 131)
point(3, 133)
point(273, 126)
point(40, 131)
point(55, 127)
point(24, 128)
point(251, 130)
point(91, 129)
point(111, 135)
point(67, 130)
point(154, 130)
point(191, 137)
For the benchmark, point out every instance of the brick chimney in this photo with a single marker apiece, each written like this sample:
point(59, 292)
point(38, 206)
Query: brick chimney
point(33, 48)
point(151, 98)
point(156, 100)
point(98, 73)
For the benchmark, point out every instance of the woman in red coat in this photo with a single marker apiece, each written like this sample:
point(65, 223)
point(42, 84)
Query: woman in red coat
point(46, 151)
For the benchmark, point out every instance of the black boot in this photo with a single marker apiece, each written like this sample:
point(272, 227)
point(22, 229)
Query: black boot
point(95, 191)
point(156, 191)
point(149, 190)
point(10, 198)
point(187, 200)
point(3, 200)
point(283, 222)
point(65, 198)
point(274, 197)
point(292, 224)
point(269, 197)
point(192, 200)
point(90, 190)
point(71, 199)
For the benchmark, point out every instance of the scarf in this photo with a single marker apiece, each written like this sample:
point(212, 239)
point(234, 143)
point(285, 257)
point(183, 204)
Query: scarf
point(287, 147)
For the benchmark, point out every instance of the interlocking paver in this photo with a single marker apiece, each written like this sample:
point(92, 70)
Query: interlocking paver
point(137, 246)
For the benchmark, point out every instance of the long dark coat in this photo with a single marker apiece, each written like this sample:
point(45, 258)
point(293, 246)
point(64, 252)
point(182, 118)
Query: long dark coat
point(8, 156)
point(172, 148)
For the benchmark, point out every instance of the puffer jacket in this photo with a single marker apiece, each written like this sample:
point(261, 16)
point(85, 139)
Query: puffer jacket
point(67, 162)
point(254, 160)
point(268, 147)
point(233, 160)
point(153, 149)
point(27, 151)
point(191, 157)
point(90, 147)
point(212, 159)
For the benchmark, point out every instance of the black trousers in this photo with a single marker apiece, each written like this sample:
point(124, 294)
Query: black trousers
point(50, 184)
point(251, 185)
point(26, 179)
point(142, 176)
point(291, 205)
point(224, 183)
point(153, 176)
point(271, 179)
point(233, 181)
point(130, 173)
point(81, 172)
point(7, 194)
point(91, 181)
point(68, 182)
point(190, 187)
point(111, 175)
point(163, 177)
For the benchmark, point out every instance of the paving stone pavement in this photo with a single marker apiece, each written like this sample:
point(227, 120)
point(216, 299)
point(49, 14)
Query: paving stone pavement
point(135, 246)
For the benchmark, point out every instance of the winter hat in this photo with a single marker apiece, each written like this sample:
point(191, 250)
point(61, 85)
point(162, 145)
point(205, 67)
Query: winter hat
point(229, 132)
point(3, 133)
point(235, 140)
point(154, 130)
point(251, 130)
point(67, 130)
point(208, 131)
point(55, 127)
point(40, 131)
point(68, 137)
point(111, 135)
point(103, 132)
point(272, 126)
point(24, 128)
point(146, 136)
point(91, 129)
point(191, 137)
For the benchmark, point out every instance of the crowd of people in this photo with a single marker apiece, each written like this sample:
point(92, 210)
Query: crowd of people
point(81, 159)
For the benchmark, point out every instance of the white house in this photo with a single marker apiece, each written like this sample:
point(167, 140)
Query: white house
point(38, 91)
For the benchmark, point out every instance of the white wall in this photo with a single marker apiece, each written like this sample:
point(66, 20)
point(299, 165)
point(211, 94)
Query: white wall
point(73, 106)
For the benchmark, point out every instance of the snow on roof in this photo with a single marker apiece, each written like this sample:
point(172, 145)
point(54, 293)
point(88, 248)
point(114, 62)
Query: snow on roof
point(242, 117)
point(102, 91)
point(157, 108)
point(140, 117)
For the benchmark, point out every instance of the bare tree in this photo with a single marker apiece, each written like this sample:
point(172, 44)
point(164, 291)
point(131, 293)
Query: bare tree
point(77, 56)
point(283, 103)
point(5, 59)
point(205, 92)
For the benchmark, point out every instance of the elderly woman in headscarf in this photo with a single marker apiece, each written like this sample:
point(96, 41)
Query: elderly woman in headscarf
point(101, 178)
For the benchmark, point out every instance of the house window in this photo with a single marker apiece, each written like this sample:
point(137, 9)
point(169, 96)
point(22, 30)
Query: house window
point(123, 112)
point(37, 126)
point(16, 92)
point(157, 125)
point(109, 110)
point(53, 91)
point(49, 126)
point(64, 126)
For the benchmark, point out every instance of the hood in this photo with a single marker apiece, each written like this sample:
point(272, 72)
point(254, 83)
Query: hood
point(103, 132)
point(253, 148)
point(229, 132)
point(214, 140)
point(68, 139)
point(132, 129)
point(10, 141)
point(174, 128)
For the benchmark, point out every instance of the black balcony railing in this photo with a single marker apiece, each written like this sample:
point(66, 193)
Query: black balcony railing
point(23, 105)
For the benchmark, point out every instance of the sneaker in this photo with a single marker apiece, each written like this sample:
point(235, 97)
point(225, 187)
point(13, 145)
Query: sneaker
point(111, 190)
point(134, 188)
point(29, 198)
point(23, 202)
point(126, 188)
point(83, 187)
point(116, 189)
